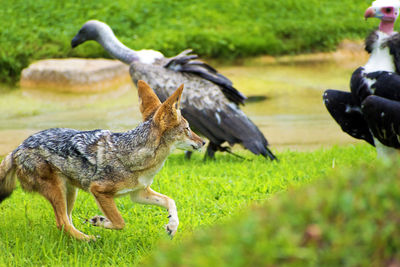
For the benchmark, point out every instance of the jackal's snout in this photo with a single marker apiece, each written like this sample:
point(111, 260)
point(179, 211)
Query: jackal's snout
point(186, 139)
point(198, 142)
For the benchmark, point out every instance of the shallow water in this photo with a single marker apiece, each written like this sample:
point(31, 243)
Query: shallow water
point(292, 116)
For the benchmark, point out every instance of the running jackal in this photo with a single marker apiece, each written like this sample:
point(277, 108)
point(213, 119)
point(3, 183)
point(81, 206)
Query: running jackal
point(55, 162)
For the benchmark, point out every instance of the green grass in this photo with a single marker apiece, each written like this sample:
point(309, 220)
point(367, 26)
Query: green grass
point(222, 29)
point(349, 219)
point(205, 194)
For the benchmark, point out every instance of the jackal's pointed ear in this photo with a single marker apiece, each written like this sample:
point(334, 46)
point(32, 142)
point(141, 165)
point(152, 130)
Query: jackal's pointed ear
point(175, 99)
point(148, 100)
point(169, 114)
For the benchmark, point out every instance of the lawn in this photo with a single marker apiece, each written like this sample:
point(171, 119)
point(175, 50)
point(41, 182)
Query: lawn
point(206, 193)
point(350, 218)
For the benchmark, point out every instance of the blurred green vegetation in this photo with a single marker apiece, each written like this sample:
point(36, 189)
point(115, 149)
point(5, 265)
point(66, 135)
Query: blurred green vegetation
point(350, 219)
point(38, 29)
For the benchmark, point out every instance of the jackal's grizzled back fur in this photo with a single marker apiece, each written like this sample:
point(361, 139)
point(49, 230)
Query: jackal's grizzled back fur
point(84, 156)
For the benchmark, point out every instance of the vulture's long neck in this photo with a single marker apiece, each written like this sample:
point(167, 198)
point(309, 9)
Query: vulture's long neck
point(114, 47)
point(386, 27)
point(380, 59)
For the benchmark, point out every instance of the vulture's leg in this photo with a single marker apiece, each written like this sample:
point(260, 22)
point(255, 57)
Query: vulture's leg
point(383, 118)
point(188, 155)
point(344, 109)
point(211, 149)
point(270, 155)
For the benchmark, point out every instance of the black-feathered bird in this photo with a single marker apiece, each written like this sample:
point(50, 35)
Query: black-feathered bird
point(371, 111)
point(210, 102)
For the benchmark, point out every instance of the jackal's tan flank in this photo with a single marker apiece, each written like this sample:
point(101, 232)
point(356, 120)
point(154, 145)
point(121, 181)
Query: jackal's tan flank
point(56, 162)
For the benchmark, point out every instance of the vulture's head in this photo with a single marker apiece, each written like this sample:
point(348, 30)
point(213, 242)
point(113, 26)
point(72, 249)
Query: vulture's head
point(385, 10)
point(91, 30)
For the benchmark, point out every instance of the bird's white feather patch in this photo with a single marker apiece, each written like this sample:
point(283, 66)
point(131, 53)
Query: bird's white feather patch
point(386, 3)
point(149, 56)
point(380, 59)
point(370, 82)
point(218, 117)
point(350, 109)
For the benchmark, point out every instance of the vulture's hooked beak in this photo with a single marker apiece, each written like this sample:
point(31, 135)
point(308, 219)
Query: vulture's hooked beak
point(76, 41)
point(369, 13)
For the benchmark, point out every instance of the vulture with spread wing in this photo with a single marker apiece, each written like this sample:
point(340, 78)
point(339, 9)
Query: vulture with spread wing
point(371, 111)
point(210, 103)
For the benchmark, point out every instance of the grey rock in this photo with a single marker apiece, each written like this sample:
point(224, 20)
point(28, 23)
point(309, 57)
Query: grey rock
point(75, 75)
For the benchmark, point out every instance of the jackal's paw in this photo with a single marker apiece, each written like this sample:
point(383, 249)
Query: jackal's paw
point(100, 221)
point(88, 238)
point(172, 227)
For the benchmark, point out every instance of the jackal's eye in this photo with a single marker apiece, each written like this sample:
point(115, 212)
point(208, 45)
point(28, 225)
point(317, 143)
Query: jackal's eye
point(187, 130)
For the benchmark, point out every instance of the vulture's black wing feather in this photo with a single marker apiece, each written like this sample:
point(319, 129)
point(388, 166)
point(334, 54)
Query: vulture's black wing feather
point(187, 63)
point(347, 113)
point(383, 118)
point(220, 126)
point(386, 85)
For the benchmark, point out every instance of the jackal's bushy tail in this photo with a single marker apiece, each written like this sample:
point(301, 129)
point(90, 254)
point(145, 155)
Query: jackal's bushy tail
point(7, 177)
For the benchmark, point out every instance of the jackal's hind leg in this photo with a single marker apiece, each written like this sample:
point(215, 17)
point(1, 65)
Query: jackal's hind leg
point(52, 189)
point(148, 196)
point(106, 203)
point(71, 197)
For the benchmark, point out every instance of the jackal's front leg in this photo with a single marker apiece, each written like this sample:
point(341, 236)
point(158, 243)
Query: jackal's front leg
point(149, 196)
point(112, 219)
